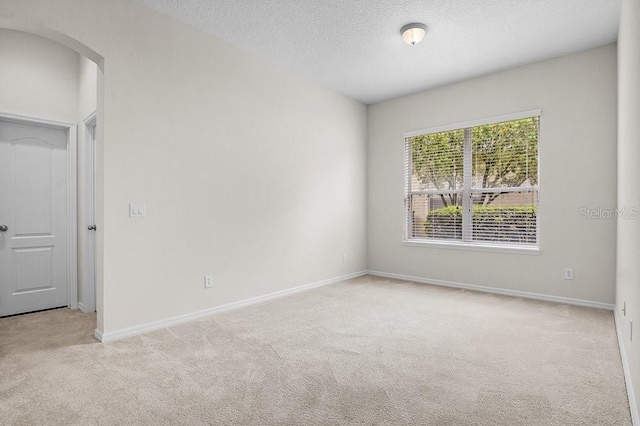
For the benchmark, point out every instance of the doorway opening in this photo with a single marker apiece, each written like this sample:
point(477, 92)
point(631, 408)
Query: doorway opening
point(87, 222)
point(49, 128)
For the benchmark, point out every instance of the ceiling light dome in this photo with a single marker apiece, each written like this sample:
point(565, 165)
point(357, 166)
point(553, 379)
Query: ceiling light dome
point(413, 33)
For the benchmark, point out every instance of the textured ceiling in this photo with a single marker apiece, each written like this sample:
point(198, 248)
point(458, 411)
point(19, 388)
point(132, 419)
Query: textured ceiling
point(354, 46)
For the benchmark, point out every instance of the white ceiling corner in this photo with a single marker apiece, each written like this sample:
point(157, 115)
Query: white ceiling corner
point(354, 47)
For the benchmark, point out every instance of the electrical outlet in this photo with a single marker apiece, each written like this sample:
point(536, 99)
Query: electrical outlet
point(344, 257)
point(208, 281)
point(568, 273)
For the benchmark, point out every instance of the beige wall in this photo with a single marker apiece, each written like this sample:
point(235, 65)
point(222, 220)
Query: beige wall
point(192, 126)
point(577, 95)
point(38, 77)
point(628, 262)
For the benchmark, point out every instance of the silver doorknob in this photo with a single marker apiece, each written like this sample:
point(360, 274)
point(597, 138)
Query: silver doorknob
point(4, 228)
point(91, 227)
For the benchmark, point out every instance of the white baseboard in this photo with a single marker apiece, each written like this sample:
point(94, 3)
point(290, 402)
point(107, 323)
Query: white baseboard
point(155, 325)
point(635, 417)
point(83, 309)
point(494, 290)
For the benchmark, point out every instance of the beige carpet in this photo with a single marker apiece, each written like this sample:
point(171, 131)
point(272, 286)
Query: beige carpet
point(364, 352)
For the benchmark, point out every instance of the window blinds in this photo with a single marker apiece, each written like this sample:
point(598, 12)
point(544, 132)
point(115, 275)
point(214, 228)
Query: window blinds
point(476, 185)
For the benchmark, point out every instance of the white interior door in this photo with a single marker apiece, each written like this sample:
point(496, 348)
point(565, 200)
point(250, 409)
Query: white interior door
point(33, 217)
point(88, 229)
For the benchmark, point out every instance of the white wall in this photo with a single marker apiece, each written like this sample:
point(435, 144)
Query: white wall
point(248, 172)
point(628, 261)
point(38, 77)
point(87, 88)
point(577, 95)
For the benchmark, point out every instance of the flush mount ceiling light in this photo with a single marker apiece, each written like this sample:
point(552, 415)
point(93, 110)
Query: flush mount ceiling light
point(413, 33)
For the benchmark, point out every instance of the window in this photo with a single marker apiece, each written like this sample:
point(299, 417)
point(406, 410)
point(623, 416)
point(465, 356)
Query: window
point(474, 184)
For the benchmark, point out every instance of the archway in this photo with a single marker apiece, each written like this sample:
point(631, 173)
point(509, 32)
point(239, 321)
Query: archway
point(89, 53)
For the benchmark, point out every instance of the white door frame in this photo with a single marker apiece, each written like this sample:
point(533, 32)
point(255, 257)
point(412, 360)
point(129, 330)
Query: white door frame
point(88, 185)
point(72, 196)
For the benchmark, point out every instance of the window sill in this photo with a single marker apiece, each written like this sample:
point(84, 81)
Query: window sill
point(474, 247)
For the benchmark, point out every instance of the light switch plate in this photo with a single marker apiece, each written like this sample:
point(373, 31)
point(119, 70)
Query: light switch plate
point(136, 209)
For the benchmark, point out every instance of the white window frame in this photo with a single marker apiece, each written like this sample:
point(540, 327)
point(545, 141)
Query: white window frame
point(472, 245)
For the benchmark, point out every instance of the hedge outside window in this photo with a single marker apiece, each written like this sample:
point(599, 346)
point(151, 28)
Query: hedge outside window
point(475, 185)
